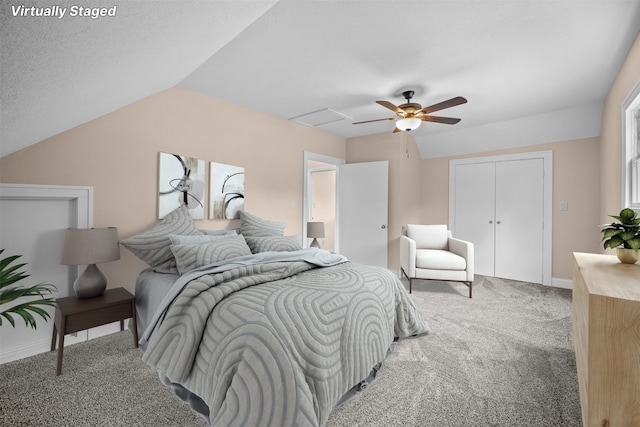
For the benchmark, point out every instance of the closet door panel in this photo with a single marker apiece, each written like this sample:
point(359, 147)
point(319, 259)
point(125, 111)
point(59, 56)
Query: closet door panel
point(519, 220)
point(474, 212)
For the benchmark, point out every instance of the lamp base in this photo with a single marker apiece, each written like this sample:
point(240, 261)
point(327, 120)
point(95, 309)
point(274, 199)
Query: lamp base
point(314, 243)
point(91, 283)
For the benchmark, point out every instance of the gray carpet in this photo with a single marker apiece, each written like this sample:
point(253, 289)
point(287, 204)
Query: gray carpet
point(503, 358)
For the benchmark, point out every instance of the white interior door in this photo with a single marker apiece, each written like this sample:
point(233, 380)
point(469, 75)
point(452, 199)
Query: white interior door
point(475, 212)
point(363, 193)
point(519, 220)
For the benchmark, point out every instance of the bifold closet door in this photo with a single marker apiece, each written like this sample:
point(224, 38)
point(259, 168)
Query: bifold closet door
point(519, 220)
point(475, 212)
point(499, 206)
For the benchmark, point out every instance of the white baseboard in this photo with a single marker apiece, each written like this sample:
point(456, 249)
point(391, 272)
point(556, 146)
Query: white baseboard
point(562, 283)
point(44, 346)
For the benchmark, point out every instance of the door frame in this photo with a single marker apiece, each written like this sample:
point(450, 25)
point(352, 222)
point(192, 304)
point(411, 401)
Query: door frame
point(81, 216)
point(306, 193)
point(547, 235)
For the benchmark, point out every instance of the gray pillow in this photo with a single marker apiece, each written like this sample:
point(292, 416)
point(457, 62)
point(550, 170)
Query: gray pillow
point(231, 232)
point(254, 226)
point(273, 243)
point(154, 246)
point(177, 239)
point(189, 257)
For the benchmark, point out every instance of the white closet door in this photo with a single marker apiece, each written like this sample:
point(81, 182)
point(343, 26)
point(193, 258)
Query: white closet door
point(501, 204)
point(519, 220)
point(475, 212)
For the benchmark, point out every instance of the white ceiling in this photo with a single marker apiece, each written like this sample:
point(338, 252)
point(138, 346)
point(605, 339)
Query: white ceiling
point(533, 71)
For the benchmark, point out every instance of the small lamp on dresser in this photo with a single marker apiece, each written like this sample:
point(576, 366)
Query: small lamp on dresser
point(89, 247)
point(315, 230)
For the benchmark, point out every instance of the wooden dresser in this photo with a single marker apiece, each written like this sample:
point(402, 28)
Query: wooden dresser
point(606, 331)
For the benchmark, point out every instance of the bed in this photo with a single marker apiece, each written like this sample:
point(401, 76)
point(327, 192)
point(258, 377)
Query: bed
point(267, 333)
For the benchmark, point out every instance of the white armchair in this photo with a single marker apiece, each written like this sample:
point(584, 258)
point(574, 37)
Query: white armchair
point(429, 252)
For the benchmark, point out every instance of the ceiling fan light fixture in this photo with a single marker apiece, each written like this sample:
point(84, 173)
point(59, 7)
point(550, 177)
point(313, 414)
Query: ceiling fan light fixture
point(408, 124)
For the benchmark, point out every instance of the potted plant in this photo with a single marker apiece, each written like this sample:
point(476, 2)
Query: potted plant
point(9, 292)
point(623, 235)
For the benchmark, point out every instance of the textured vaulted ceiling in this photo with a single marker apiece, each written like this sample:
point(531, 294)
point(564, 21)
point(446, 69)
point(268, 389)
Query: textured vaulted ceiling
point(533, 71)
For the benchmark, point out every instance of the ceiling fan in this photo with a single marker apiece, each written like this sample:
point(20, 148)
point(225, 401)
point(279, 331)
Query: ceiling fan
point(410, 114)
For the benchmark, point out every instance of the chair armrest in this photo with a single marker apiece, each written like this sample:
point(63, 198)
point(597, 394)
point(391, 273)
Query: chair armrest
point(408, 256)
point(465, 250)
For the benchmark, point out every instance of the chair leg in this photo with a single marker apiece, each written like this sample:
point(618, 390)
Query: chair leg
point(470, 285)
point(403, 273)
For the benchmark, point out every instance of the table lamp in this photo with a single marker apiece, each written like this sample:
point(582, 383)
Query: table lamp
point(89, 247)
point(315, 230)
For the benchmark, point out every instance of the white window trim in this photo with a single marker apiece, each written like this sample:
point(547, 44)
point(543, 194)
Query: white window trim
point(631, 150)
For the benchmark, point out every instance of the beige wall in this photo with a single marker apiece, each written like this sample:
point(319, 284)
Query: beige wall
point(117, 155)
point(575, 180)
point(611, 134)
point(404, 180)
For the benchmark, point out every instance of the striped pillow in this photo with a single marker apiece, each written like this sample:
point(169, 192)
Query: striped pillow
point(189, 257)
point(273, 243)
point(253, 226)
point(154, 245)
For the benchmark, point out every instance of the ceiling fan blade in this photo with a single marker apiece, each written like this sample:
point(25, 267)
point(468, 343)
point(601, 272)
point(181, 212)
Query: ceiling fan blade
point(392, 107)
point(376, 120)
point(436, 119)
point(442, 105)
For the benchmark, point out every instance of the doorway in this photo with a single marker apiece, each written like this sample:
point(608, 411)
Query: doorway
point(320, 197)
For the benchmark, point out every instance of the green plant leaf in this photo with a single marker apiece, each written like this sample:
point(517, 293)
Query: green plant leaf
point(627, 214)
point(627, 235)
point(24, 309)
point(610, 232)
point(613, 242)
point(9, 318)
point(634, 243)
point(9, 276)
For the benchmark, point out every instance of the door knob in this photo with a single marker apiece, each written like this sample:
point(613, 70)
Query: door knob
point(490, 222)
point(384, 226)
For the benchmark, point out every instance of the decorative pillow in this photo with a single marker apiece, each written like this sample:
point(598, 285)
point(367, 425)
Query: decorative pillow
point(253, 226)
point(189, 257)
point(154, 246)
point(177, 239)
point(232, 232)
point(273, 243)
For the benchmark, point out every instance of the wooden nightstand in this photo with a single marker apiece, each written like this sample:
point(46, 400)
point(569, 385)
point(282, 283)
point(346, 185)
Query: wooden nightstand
point(75, 314)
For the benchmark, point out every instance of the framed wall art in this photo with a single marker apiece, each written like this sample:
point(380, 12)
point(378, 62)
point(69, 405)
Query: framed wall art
point(226, 191)
point(180, 182)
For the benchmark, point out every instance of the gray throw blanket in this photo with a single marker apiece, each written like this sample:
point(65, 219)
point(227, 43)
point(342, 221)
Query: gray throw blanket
point(278, 343)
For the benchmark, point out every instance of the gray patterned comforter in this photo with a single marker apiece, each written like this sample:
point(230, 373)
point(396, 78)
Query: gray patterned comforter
point(279, 343)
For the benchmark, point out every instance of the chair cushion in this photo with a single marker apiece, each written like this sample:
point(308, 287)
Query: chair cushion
point(429, 236)
point(435, 259)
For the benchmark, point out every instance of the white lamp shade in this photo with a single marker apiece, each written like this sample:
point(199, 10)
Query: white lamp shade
point(408, 124)
point(90, 246)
